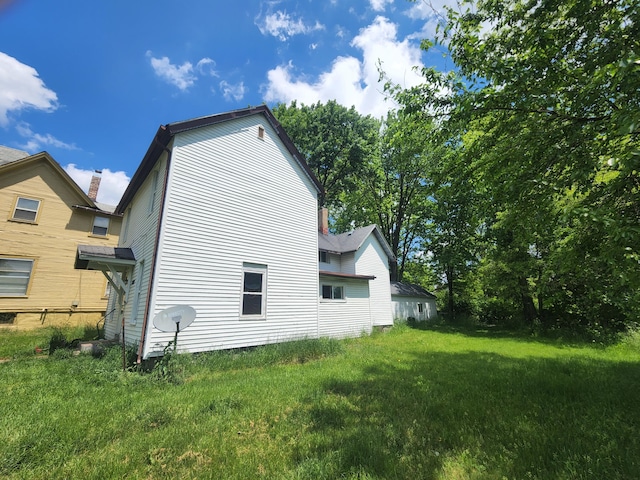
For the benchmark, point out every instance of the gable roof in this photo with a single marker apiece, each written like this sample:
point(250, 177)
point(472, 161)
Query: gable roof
point(10, 154)
point(409, 290)
point(28, 161)
point(165, 134)
point(352, 241)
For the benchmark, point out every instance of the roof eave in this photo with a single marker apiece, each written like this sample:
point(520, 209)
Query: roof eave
point(346, 275)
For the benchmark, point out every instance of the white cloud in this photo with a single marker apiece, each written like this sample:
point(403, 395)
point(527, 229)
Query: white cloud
point(21, 88)
point(37, 142)
point(180, 76)
point(231, 91)
point(350, 80)
point(206, 66)
point(433, 12)
point(112, 184)
point(379, 5)
point(282, 26)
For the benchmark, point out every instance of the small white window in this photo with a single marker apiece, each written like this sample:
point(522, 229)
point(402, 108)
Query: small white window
point(324, 257)
point(26, 210)
point(332, 292)
point(100, 226)
point(254, 290)
point(15, 274)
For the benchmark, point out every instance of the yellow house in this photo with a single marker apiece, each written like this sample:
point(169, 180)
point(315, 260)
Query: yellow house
point(44, 215)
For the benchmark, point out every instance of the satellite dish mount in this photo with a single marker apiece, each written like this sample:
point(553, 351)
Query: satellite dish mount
point(172, 318)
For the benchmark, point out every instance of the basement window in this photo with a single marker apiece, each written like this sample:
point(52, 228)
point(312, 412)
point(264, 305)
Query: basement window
point(7, 318)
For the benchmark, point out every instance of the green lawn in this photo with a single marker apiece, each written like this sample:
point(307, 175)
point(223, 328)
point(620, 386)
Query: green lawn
point(406, 404)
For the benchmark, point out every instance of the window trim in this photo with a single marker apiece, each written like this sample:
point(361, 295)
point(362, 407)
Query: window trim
point(93, 226)
point(15, 208)
point(263, 270)
point(29, 280)
point(333, 287)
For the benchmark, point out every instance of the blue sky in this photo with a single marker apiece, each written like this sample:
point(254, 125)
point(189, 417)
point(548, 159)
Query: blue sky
point(90, 82)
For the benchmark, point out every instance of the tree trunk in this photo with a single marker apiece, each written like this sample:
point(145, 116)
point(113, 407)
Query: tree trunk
point(528, 307)
point(450, 292)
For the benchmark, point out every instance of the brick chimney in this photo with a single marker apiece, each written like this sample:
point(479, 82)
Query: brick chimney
point(94, 185)
point(323, 221)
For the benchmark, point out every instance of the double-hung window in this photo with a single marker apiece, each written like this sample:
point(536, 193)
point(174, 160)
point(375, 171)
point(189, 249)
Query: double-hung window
point(26, 210)
point(332, 292)
point(15, 274)
point(100, 226)
point(254, 290)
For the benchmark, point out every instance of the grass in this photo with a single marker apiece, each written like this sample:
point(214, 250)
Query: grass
point(24, 344)
point(419, 404)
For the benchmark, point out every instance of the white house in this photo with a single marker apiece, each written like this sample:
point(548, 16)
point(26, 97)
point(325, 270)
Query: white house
point(354, 280)
point(412, 301)
point(221, 215)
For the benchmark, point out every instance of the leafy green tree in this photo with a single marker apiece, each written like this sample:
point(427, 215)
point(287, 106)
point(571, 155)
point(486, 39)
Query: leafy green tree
point(393, 189)
point(337, 142)
point(546, 97)
point(453, 228)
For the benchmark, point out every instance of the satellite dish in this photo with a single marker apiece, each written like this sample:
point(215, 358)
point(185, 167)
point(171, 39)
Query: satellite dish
point(174, 319)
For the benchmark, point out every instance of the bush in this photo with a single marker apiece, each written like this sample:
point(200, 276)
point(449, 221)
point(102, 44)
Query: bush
point(57, 341)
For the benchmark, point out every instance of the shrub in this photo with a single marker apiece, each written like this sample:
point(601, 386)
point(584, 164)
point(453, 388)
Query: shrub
point(57, 341)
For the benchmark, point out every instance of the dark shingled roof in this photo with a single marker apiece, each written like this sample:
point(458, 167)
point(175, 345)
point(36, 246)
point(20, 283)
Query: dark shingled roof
point(409, 290)
point(352, 241)
point(90, 256)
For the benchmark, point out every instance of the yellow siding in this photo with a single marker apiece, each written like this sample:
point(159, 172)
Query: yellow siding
point(52, 242)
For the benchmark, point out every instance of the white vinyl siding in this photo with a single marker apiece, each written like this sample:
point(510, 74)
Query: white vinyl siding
point(154, 192)
point(333, 262)
point(371, 259)
point(137, 292)
point(404, 307)
point(141, 228)
point(15, 274)
point(347, 318)
point(260, 209)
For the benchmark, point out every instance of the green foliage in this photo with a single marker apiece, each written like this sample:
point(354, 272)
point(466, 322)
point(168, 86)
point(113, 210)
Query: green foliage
point(393, 189)
point(337, 142)
point(540, 115)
